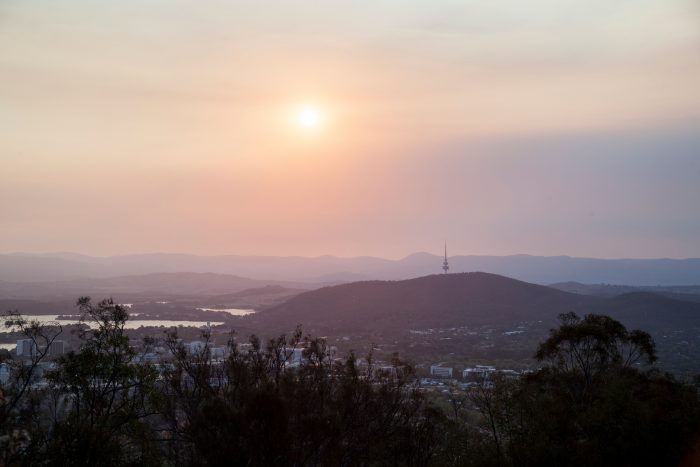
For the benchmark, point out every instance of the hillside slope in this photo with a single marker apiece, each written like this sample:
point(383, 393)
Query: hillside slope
point(453, 300)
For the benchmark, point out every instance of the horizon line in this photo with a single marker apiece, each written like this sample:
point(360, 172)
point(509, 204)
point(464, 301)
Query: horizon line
point(416, 253)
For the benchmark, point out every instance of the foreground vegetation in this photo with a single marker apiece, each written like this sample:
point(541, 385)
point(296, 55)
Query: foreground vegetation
point(595, 401)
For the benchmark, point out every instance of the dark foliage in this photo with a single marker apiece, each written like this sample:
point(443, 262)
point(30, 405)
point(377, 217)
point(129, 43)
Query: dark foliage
point(95, 406)
point(592, 403)
point(256, 409)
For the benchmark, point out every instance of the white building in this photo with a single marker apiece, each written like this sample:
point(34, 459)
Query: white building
point(4, 373)
point(217, 353)
point(26, 348)
point(195, 347)
point(478, 373)
point(510, 374)
point(295, 355)
point(292, 357)
point(441, 371)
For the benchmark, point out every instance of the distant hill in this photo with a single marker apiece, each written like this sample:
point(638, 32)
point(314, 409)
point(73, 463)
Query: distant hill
point(650, 311)
point(453, 300)
point(258, 291)
point(157, 285)
point(325, 269)
point(689, 293)
point(601, 290)
point(426, 302)
point(256, 298)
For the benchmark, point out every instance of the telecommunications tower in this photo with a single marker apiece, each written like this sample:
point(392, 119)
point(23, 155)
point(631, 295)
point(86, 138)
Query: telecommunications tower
point(445, 264)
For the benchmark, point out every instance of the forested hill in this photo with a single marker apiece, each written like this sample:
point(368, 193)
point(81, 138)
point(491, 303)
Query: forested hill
point(453, 300)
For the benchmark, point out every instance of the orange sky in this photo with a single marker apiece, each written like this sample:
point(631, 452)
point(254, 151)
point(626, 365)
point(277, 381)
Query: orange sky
point(556, 127)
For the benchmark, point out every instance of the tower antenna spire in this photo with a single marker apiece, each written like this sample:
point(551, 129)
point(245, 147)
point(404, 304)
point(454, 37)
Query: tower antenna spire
point(445, 264)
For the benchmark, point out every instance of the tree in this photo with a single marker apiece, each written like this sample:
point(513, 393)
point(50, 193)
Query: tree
point(591, 401)
point(592, 344)
point(19, 400)
point(258, 408)
point(103, 398)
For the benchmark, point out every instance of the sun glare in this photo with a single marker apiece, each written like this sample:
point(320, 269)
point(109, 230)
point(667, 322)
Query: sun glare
point(309, 117)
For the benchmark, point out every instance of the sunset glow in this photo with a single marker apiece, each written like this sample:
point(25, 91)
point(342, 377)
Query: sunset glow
point(420, 119)
point(309, 117)
point(313, 206)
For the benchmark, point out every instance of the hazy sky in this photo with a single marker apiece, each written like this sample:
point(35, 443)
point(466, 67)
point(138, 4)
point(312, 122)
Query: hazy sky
point(504, 126)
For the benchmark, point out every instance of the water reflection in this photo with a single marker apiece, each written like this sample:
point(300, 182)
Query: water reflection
point(231, 311)
point(131, 324)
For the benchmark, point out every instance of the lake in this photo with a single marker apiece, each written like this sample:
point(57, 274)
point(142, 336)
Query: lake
point(231, 311)
point(130, 324)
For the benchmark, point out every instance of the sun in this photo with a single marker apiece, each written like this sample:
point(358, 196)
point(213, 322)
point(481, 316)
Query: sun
point(309, 117)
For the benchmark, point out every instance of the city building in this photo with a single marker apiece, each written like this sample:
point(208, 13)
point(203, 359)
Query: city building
point(295, 355)
point(478, 373)
point(441, 371)
point(386, 372)
point(218, 353)
point(26, 348)
point(4, 373)
point(56, 349)
point(195, 347)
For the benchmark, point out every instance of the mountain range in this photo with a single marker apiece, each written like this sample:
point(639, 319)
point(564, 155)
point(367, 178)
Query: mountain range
point(156, 285)
point(19, 267)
